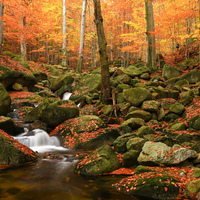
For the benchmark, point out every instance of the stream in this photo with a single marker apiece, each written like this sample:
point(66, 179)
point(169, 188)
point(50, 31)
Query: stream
point(53, 178)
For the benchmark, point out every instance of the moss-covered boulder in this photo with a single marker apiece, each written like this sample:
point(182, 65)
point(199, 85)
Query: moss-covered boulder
point(5, 101)
point(169, 72)
point(179, 127)
point(120, 142)
point(151, 106)
point(146, 116)
point(90, 83)
point(8, 125)
point(85, 132)
point(137, 95)
point(122, 87)
point(160, 153)
point(141, 169)
point(145, 130)
point(130, 158)
point(20, 75)
point(124, 79)
point(134, 123)
point(150, 185)
point(62, 80)
point(136, 70)
point(12, 152)
point(192, 76)
point(192, 188)
point(135, 144)
point(177, 108)
point(54, 113)
point(187, 97)
point(166, 93)
point(194, 122)
point(103, 160)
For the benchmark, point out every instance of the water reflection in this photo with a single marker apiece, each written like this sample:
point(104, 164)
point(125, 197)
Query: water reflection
point(51, 179)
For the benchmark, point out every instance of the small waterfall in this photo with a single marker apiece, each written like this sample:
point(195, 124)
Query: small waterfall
point(66, 96)
point(39, 140)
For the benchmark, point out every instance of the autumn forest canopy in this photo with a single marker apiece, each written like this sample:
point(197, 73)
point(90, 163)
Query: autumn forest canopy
point(41, 22)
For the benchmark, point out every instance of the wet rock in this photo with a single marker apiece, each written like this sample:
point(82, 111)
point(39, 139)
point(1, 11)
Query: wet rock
point(130, 158)
point(12, 152)
point(53, 114)
point(141, 169)
point(103, 160)
point(149, 186)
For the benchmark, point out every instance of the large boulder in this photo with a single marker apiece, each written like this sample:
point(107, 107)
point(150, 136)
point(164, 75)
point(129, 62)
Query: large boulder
point(62, 80)
point(192, 188)
point(103, 160)
point(146, 116)
point(5, 101)
point(54, 113)
point(136, 70)
point(85, 132)
point(160, 153)
point(150, 185)
point(192, 76)
point(136, 95)
point(169, 72)
point(90, 83)
point(12, 152)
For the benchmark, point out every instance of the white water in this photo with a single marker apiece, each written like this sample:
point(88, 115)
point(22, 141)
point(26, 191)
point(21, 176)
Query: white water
point(40, 141)
point(66, 96)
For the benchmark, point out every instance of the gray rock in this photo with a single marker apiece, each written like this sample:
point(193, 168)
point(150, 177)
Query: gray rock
point(160, 153)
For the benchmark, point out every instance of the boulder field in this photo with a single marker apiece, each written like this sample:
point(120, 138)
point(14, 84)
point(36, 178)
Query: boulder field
point(149, 131)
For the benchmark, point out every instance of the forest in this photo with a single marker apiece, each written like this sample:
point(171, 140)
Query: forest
point(100, 99)
point(46, 28)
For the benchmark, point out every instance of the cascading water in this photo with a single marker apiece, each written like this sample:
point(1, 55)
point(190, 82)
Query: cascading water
point(66, 96)
point(39, 140)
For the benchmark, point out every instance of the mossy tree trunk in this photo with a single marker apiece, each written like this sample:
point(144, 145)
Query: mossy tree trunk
point(1, 26)
point(80, 59)
point(150, 36)
point(105, 75)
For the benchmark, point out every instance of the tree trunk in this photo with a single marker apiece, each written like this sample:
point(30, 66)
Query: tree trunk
point(64, 44)
point(105, 75)
point(80, 59)
point(151, 38)
point(1, 26)
point(23, 43)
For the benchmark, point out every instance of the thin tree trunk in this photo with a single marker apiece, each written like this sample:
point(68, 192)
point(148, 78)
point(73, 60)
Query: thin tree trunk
point(105, 75)
point(1, 26)
point(23, 43)
point(64, 44)
point(151, 38)
point(80, 59)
